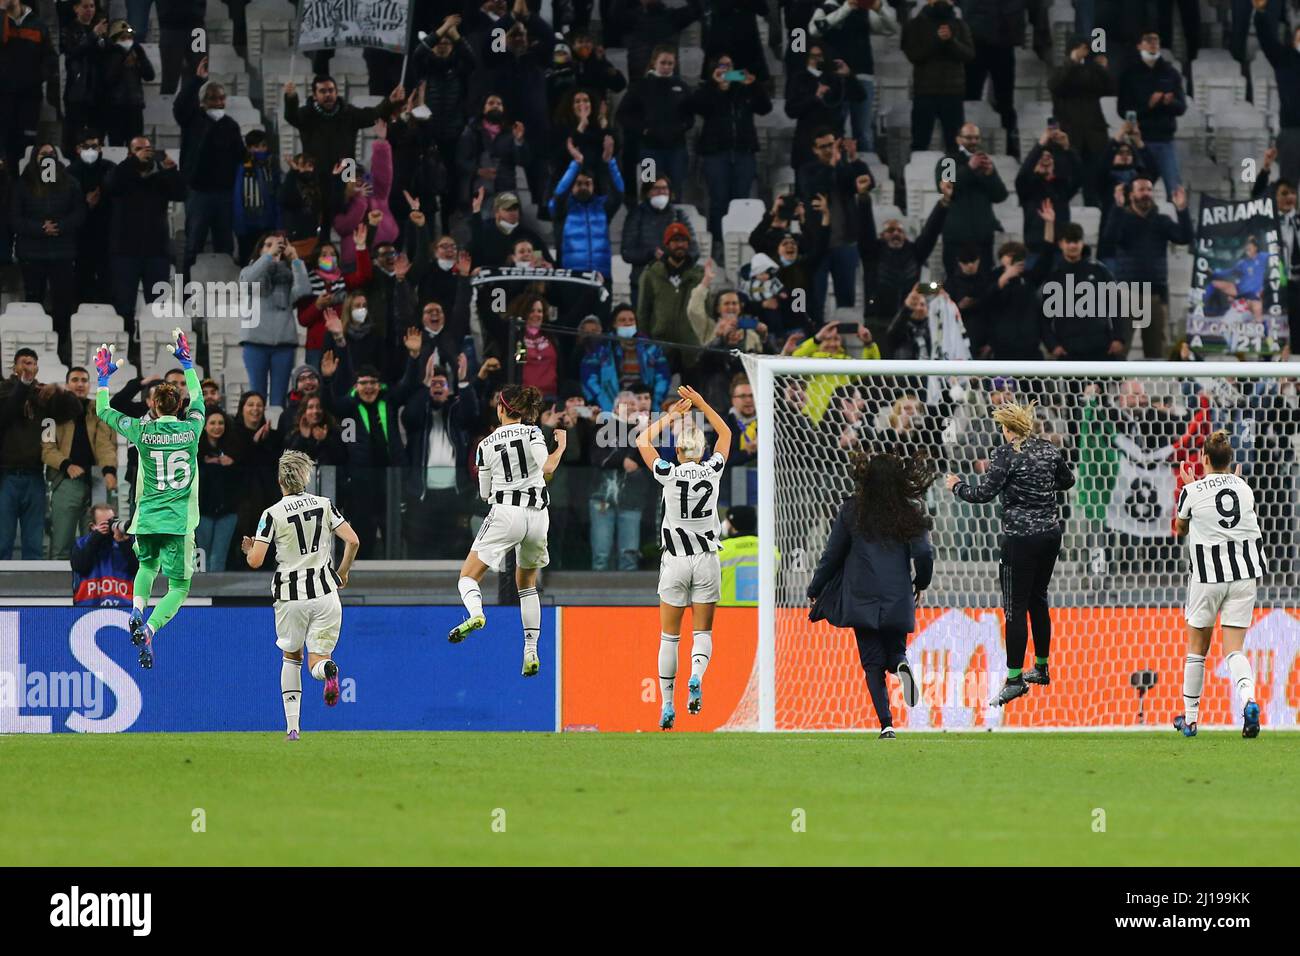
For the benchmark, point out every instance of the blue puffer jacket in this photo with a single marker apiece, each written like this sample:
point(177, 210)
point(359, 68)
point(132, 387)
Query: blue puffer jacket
point(600, 366)
point(584, 232)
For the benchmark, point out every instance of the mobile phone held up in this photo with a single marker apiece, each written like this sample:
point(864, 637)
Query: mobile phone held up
point(747, 322)
point(734, 76)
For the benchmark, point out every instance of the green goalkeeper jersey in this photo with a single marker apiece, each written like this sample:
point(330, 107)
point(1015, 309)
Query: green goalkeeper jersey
point(167, 480)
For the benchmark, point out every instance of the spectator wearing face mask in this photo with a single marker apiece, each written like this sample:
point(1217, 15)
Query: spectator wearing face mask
point(797, 258)
point(256, 193)
point(212, 151)
point(47, 214)
point(1153, 89)
point(82, 37)
point(80, 444)
point(608, 368)
point(330, 284)
point(126, 69)
point(492, 243)
point(90, 170)
point(643, 229)
point(439, 279)
point(281, 281)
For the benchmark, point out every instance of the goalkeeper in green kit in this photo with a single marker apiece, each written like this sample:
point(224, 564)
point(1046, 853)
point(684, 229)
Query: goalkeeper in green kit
point(166, 490)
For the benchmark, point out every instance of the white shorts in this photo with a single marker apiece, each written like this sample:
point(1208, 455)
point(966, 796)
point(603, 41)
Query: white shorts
point(315, 622)
point(507, 527)
point(686, 579)
point(1232, 601)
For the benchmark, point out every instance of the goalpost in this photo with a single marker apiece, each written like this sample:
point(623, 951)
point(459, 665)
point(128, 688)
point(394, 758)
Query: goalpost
point(1117, 592)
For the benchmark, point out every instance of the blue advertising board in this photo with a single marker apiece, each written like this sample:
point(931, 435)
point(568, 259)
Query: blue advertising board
point(74, 669)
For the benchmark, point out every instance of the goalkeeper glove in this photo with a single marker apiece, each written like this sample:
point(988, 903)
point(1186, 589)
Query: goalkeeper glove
point(104, 364)
point(182, 350)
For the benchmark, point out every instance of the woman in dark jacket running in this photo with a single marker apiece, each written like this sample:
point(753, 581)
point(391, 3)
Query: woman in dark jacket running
point(1027, 472)
point(865, 577)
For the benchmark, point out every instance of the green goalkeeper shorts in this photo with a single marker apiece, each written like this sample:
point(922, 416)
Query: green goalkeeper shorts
point(174, 552)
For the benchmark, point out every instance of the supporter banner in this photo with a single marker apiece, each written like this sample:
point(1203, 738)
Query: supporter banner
point(1237, 303)
point(74, 669)
point(373, 24)
point(1098, 668)
point(524, 274)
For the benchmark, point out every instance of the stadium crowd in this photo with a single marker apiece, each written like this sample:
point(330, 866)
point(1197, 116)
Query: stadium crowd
point(547, 195)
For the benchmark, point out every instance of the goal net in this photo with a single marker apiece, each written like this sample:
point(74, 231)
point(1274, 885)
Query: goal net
point(1118, 633)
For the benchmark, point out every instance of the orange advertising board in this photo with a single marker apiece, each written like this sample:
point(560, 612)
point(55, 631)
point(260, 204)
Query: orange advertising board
point(1111, 668)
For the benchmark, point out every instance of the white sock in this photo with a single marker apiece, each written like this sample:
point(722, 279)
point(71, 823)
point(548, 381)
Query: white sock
point(701, 651)
point(668, 665)
point(1193, 682)
point(291, 691)
point(471, 596)
point(1243, 676)
point(530, 612)
point(138, 601)
point(318, 672)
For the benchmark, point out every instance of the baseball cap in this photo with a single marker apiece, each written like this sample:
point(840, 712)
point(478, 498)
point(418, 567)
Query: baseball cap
point(505, 201)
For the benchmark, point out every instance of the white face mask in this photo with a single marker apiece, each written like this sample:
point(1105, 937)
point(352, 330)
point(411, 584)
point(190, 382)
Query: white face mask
point(126, 44)
point(446, 264)
point(659, 202)
point(786, 262)
point(89, 156)
point(814, 71)
point(1149, 57)
point(359, 315)
point(216, 114)
point(507, 227)
point(422, 112)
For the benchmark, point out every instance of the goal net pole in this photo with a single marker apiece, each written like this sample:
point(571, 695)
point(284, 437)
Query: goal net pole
point(765, 374)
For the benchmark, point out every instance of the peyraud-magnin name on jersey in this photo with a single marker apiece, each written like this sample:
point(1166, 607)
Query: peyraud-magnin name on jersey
point(210, 299)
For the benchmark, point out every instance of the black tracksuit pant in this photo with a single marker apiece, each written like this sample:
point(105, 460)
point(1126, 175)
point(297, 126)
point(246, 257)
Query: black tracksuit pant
point(1025, 573)
point(880, 650)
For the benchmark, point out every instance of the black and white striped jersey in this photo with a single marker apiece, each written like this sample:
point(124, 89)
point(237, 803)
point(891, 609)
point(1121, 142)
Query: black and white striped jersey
point(690, 524)
point(510, 463)
point(302, 527)
point(1223, 539)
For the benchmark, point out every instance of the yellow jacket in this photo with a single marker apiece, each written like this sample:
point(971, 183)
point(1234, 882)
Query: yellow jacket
point(822, 387)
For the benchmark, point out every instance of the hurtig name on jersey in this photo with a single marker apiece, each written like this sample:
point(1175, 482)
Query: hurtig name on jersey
point(298, 503)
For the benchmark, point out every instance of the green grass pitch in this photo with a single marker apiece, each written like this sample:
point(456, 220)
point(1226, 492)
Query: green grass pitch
point(649, 799)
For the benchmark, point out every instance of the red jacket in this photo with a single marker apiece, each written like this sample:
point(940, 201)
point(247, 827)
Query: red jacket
point(309, 314)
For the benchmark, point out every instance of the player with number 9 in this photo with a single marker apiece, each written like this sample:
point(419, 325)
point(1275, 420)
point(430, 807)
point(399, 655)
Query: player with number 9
point(166, 490)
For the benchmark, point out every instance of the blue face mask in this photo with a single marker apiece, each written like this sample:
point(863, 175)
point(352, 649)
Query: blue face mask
point(626, 331)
